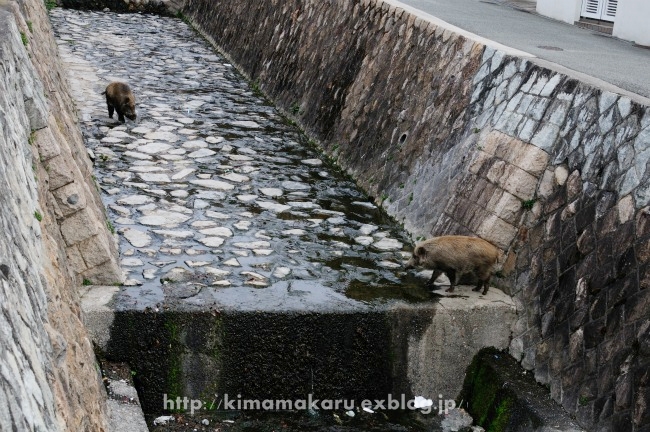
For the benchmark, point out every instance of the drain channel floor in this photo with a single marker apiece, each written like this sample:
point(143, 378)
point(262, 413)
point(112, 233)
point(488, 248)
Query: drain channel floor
point(218, 200)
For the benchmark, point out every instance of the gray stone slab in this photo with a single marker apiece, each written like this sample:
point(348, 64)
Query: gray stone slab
point(98, 313)
point(126, 417)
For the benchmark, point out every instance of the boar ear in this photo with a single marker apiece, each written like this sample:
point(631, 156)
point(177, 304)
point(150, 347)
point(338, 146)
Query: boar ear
point(420, 251)
point(127, 99)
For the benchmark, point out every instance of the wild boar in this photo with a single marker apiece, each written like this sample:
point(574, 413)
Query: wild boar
point(119, 97)
point(454, 256)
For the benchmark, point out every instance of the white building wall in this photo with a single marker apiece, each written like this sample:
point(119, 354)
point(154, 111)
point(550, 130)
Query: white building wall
point(633, 21)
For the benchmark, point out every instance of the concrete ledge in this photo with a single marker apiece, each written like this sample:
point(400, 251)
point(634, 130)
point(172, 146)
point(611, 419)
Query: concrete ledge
point(460, 326)
point(362, 351)
point(126, 417)
point(98, 315)
point(125, 412)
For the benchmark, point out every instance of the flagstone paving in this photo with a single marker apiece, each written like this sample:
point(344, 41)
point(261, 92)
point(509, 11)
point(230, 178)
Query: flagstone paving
point(211, 186)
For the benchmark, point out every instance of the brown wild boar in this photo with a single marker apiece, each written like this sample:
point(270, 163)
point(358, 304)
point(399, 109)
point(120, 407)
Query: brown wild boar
point(119, 97)
point(454, 256)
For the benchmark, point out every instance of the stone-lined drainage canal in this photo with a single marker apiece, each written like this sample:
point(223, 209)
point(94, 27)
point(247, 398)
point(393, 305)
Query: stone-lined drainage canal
point(221, 205)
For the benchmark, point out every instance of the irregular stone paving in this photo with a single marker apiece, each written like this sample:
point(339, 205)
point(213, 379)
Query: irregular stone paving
point(210, 185)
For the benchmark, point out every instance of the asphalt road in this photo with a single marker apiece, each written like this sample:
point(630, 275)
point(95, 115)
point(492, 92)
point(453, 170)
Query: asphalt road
point(614, 61)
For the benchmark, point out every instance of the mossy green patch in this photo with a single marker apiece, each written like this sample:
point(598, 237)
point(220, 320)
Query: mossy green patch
point(501, 416)
point(484, 392)
point(175, 368)
point(491, 404)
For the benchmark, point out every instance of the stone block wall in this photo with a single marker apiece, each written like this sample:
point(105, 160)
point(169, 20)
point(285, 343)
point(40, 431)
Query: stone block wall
point(54, 236)
point(452, 136)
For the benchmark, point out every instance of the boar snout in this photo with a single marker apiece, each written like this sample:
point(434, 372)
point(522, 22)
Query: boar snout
point(415, 258)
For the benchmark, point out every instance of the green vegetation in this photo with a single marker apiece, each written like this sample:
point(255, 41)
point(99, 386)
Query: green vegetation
point(295, 109)
point(86, 282)
point(50, 4)
point(30, 26)
point(110, 226)
point(175, 372)
point(38, 216)
point(23, 36)
point(183, 18)
point(410, 197)
point(476, 130)
point(96, 183)
point(528, 204)
point(502, 415)
point(32, 138)
point(257, 90)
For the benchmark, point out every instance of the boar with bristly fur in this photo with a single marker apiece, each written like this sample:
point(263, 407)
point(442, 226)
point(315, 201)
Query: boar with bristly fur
point(119, 97)
point(454, 256)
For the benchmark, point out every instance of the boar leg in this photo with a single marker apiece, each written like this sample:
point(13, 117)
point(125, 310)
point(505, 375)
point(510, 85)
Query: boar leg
point(430, 282)
point(451, 274)
point(483, 282)
point(487, 287)
point(110, 109)
point(120, 116)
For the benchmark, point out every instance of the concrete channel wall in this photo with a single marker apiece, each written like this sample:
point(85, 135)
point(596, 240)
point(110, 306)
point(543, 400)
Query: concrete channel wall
point(54, 235)
point(453, 134)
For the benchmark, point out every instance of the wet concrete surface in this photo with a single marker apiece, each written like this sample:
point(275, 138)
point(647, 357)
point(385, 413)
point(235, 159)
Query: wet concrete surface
point(216, 197)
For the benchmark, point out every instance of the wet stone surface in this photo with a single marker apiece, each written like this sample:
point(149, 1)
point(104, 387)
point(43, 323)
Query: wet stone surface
point(216, 199)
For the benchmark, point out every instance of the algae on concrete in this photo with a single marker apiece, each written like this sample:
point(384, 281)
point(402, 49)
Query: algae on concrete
point(503, 397)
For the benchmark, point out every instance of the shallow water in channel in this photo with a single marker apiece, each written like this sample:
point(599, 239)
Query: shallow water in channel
point(215, 196)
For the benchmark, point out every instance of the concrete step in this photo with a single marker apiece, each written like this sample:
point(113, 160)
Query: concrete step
point(596, 25)
point(125, 412)
point(279, 350)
